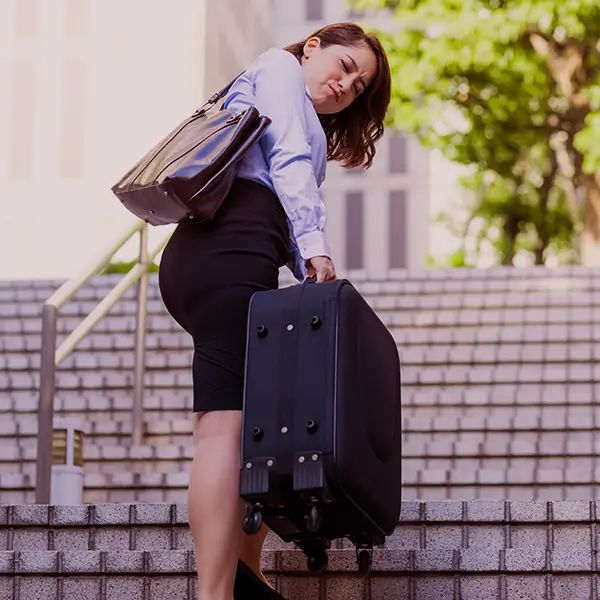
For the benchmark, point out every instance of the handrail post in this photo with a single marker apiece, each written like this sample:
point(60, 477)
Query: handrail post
point(140, 341)
point(46, 405)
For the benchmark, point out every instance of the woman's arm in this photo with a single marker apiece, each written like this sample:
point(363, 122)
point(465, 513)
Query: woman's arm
point(280, 94)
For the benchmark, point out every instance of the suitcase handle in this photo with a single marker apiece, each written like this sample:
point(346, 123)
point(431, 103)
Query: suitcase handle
point(311, 279)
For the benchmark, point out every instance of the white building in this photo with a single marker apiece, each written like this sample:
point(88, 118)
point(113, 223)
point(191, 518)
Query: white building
point(87, 86)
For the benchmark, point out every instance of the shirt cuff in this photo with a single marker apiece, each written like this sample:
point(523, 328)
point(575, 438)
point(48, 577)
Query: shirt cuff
point(313, 244)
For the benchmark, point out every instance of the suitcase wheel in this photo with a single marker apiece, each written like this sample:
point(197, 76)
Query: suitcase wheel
point(364, 558)
point(253, 520)
point(317, 561)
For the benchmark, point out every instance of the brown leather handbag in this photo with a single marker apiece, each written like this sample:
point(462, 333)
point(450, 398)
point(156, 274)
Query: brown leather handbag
point(188, 174)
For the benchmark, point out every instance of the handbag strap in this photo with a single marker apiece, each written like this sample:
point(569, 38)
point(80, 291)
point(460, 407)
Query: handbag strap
point(218, 96)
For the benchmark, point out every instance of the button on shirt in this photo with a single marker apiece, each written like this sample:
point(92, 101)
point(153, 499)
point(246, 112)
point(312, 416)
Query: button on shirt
point(291, 156)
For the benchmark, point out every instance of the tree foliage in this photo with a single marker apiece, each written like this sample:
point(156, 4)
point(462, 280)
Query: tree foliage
point(512, 88)
point(123, 267)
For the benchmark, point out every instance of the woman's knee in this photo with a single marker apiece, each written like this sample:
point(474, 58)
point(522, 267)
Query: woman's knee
point(217, 423)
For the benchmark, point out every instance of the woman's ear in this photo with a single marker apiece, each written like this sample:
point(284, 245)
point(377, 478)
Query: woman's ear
point(311, 45)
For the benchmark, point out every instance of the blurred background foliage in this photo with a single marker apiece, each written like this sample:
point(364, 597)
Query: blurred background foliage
point(124, 267)
point(510, 88)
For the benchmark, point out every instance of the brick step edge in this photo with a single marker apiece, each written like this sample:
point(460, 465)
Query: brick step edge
point(484, 512)
point(472, 561)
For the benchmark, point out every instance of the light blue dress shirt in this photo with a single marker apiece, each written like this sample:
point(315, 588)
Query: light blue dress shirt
point(291, 156)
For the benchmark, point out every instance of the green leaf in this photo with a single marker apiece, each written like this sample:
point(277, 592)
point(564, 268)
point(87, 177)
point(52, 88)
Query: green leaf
point(488, 83)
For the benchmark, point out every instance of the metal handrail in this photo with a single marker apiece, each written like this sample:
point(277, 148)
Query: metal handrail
point(51, 356)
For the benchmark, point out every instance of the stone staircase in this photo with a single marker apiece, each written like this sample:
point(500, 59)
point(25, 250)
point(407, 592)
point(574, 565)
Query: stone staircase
point(500, 376)
point(441, 551)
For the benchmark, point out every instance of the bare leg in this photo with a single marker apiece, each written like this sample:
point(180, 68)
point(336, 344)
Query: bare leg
point(251, 550)
point(215, 509)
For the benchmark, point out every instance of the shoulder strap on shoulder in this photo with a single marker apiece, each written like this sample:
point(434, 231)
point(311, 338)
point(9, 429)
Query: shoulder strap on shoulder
point(216, 97)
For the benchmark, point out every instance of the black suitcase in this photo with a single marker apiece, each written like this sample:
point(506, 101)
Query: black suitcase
point(322, 425)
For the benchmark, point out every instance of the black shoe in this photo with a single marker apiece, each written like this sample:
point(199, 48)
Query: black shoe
point(249, 587)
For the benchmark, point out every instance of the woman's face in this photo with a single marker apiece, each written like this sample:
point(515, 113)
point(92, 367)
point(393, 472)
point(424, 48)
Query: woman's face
point(337, 75)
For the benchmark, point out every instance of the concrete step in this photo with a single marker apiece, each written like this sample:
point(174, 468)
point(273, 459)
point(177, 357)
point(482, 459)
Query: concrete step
point(535, 275)
point(114, 431)
point(158, 473)
point(499, 370)
point(467, 444)
point(415, 355)
point(436, 526)
point(534, 395)
point(98, 402)
point(169, 483)
point(515, 419)
point(433, 328)
point(456, 376)
point(515, 357)
point(423, 354)
point(112, 487)
point(412, 310)
point(107, 460)
point(549, 450)
point(396, 574)
point(560, 280)
point(461, 550)
point(110, 575)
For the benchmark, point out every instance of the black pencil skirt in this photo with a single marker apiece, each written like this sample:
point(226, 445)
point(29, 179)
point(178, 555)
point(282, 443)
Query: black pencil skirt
point(208, 273)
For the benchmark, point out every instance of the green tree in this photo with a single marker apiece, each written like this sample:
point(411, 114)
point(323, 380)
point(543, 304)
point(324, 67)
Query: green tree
point(511, 87)
point(514, 215)
point(125, 267)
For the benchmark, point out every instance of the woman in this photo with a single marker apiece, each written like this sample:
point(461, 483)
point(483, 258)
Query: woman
point(327, 97)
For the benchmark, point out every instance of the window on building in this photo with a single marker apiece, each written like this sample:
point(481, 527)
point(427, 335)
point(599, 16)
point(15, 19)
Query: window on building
point(398, 147)
point(398, 233)
point(355, 242)
point(22, 130)
point(314, 10)
point(73, 118)
point(77, 17)
point(26, 18)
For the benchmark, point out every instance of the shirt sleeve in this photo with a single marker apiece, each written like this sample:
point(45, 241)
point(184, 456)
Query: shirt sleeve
point(280, 94)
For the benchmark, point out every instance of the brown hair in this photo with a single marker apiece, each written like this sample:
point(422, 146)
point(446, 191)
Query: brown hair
point(352, 133)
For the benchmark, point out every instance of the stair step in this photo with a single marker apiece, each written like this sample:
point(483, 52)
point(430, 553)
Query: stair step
point(157, 575)
point(422, 526)
point(99, 402)
point(426, 353)
point(490, 550)
point(450, 376)
point(500, 386)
